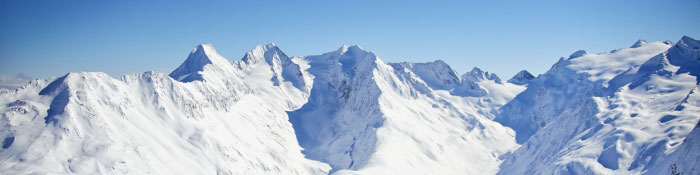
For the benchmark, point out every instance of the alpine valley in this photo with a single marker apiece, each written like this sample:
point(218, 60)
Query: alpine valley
point(628, 111)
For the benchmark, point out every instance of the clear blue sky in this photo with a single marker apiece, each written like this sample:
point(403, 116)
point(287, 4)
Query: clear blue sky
point(51, 38)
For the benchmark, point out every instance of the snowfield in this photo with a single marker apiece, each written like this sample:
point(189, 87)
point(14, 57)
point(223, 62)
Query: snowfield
point(610, 113)
point(629, 111)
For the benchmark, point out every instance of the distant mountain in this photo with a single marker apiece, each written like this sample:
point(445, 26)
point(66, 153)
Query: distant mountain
point(14, 82)
point(521, 78)
point(629, 111)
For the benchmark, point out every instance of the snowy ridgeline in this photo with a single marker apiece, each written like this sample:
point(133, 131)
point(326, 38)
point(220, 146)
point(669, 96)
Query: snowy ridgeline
point(628, 111)
point(622, 112)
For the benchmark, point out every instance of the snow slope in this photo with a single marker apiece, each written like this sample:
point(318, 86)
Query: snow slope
point(608, 113)
point(365, 116)
point(348, 109)
point(211, 121)
point(683, 160)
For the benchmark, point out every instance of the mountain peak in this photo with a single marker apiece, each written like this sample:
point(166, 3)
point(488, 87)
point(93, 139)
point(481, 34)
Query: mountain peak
point(639, 43)
point(263, 52)
point(207, 52)
point(477, 70)
point(354, 56)
point(577, 54)
point(687, 45)
point(686, 38)
point(436, 74)
point(204, 46)
point(355, 47)
point(202, 55)
point(266, 46)
point(686, 55)
point(521, 78)
point(477, 75)
point(281, 66)
point(442, 64)
point(345, 48)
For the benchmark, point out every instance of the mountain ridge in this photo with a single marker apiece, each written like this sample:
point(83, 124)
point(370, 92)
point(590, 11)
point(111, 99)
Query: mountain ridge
point(600, 118)
point(349, 112)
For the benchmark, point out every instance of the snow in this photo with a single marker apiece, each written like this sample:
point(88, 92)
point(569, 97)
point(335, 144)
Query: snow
point(151, 123)
point(426, 133)
point(521, 78)
point(365, 116)
point(639, 43)
point(577, 54)
point(330, 127)
point(686, 55)
point(629, 111)
point(683, 160)
point(203, 55)
point(607, 65)
point(437, 74)
point(477, 75)
point(608, 113)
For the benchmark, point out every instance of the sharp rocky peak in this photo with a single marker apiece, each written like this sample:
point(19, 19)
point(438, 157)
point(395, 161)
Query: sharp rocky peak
point(687, 50)
point(476, 70)
point(688, 39)
point(352, 56)
point(355, 51)
point(439, 63)
point(206, 53)
point(477, 75)
point(437, 73)
point(686, 55)
point(281, 65)
point(269, 53)
point(577, 54)
point(521, 78)
point(345, 48)
point(639, 43)
point(202, 55)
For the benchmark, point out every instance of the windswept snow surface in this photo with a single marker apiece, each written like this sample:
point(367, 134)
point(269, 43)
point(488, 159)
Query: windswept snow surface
point(213, 122)
point(630, 111)
point(350, 111)
point(365, 116)
point(621, 112)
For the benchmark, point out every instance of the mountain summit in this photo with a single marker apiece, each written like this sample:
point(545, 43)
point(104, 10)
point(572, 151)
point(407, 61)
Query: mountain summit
point(521, 78)
point(282, 67)
point(639, 43)
point(201, 56)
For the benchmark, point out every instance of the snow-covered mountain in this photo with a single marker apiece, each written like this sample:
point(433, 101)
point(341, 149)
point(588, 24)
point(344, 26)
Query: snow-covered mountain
point(251, 116)
point(521, 78)
point(621, 112)
point(628, 111)
point(220, 117)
